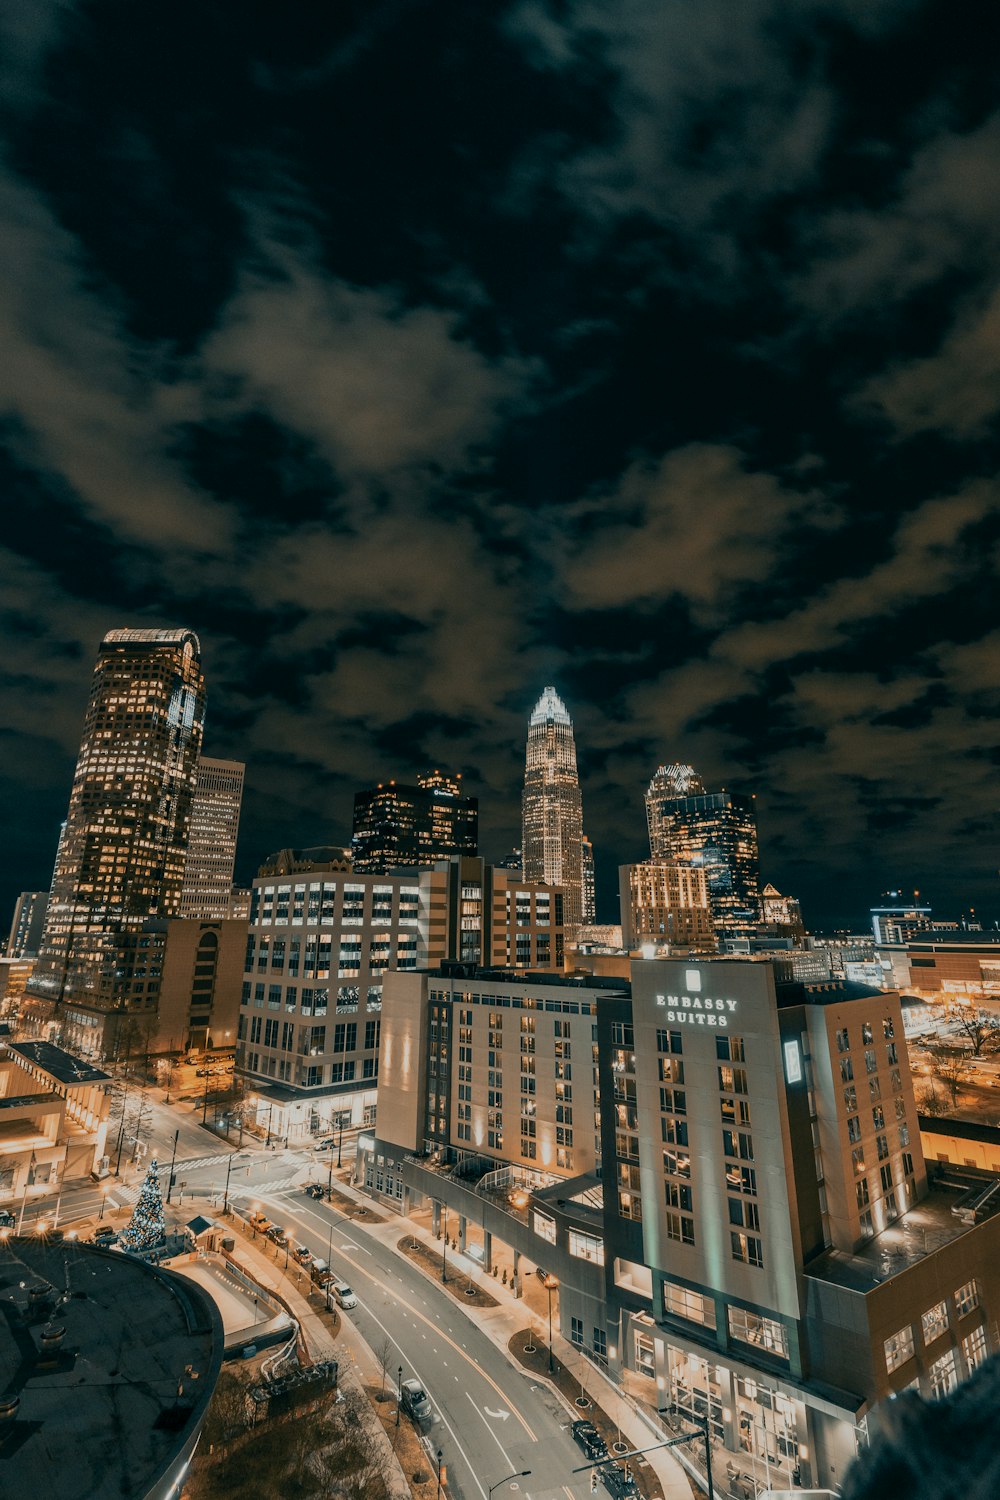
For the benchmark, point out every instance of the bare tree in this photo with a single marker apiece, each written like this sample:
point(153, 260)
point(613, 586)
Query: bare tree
point(228, 1413)
point(981, 1027)
point(385, 1358)
point(356, 1465)
point(952, 1069)
point(929, 1101)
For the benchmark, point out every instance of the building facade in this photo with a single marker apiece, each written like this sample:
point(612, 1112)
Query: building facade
point(665, 903)
point(120, 863)
point(667, 783)
point(551, 805)
point(27, 924)
point(203, 976)
point(396, 825)
point(211, 851)
point(589, 887)
point(717, 832)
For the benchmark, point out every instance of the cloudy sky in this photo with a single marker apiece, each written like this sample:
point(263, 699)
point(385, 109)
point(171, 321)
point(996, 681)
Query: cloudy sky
point(420, 354)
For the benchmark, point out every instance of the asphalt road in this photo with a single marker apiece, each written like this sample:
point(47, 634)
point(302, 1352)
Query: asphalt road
point(490, 1419)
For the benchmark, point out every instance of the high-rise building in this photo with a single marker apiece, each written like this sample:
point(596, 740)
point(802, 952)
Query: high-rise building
point(397, 826)
point(211, 852)
point(589, 890)
point(780, 915)
point(120, 863)
point(28, 924)
point(551, 806)
point(665, 904)
point(716, 831)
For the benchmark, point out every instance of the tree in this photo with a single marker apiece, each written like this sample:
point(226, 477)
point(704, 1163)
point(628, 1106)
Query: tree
point(146, 1230)
point(981, 1027)
point(952, 1069)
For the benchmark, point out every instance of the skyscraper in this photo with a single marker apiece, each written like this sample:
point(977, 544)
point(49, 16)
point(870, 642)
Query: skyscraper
point(27, 924)
point(589, 890)
point(120, 863)
point(551, 806)
point(211, 852)
point(398, 826)
point(716, 831)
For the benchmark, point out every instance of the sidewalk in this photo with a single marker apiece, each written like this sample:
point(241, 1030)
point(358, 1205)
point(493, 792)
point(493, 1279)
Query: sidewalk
point(511, 1316)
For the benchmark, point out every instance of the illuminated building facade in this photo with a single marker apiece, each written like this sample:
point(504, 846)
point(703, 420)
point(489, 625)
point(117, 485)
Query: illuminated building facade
point(27, 925)
point(120, 863)
point(551, 805)
point(211, 851)
point(715, 831)
point(780, 915)
point(665, 903)
point(398, 826)
point(589, 891)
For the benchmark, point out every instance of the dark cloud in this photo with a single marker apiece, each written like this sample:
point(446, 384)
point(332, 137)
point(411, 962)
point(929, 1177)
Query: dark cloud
point(421, 353)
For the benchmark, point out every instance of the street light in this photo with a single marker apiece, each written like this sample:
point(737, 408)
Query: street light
point(440, 1459)
point(517, 1474)
point(550, 1284)
point(399, 1398)
point(444, 1245)
point(288, 1246)
point(340, 1140)
point(104, 1203)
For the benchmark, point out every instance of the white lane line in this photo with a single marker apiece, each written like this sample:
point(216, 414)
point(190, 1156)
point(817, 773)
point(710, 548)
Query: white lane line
point(489, 1429)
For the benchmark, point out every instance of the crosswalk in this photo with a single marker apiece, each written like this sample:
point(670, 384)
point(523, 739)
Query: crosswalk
point(271, 1186)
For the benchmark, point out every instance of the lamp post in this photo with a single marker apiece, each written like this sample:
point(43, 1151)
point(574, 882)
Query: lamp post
point(399, 1395)
point(104, 1203)
point(551, 1283)
point(288, 1246)
point(440, 1460)
point(444, 1245)
point(173, 1158)
point(225, 1200)
point(204, 1112)
point(340, 1140)
point(517, 1474)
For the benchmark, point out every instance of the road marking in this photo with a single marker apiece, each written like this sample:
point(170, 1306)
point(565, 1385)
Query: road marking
point(424, 1319)
point(498, 1416)
point(489, 1429)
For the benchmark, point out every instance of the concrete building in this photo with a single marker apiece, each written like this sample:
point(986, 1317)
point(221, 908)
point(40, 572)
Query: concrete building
point(27, 924)
point(898, 923)
point(589, 889)
point(551, 805)
point(941, 964)
point(108, 1376)
point(203, 972)
point(211, 850)
point(120, 863)
point(716, 832)
point(320, 944)
point(775, 1259)
point(53, 1120)
point(780, 915)
point(667, 904)
point(397, 826)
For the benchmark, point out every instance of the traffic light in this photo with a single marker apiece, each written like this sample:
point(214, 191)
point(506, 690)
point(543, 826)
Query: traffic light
point(593, 1481)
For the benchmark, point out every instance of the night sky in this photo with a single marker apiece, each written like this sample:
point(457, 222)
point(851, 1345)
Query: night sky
point(419, 354)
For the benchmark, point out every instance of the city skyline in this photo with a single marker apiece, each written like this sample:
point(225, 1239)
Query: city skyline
point(658, 363)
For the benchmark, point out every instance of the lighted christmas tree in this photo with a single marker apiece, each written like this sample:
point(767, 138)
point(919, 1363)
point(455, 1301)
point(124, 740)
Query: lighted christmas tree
point(145, 1230)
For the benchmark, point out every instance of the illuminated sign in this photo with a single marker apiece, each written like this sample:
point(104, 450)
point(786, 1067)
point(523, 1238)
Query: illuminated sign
point(793, 1062)
point(697, 1010)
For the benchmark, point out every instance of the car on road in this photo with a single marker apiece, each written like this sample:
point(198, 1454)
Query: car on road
point(589, 1439)
point(302, 1255)
point(278, 1235)
point(413, 1399)
point(106, 1236)
point(314, 1190)
point(320, 1272)
point(260, 1222)
point(325, 1143)
point(344, 1294)
point(618, 1481)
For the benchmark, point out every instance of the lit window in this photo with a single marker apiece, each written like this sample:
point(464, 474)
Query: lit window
point(934, 1321)
point(967, 1297)
point(899, 1348)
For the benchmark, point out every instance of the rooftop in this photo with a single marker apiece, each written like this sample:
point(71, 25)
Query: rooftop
point(106, 1412)
point(823, 992)
point(61, 1064)
point(925, 1229)
point(522, 978)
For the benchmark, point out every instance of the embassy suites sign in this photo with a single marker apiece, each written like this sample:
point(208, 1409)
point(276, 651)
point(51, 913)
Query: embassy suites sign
point(697, 1010)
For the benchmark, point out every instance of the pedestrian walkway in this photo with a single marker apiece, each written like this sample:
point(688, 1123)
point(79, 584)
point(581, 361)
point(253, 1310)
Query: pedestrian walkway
point(510, 1316)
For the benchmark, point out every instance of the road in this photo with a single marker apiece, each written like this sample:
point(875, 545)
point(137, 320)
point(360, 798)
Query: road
point(490, 1419)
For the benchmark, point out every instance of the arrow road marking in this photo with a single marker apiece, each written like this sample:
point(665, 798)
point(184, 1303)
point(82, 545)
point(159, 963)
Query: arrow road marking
point(498, 1416)
point(507, 1458)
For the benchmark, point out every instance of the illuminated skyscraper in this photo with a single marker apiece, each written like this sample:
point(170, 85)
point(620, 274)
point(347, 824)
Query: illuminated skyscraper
point(716, 831)
point(211, 852)
point(120, 863)
point(398, 826)
point(589, 891)
point(551, 806)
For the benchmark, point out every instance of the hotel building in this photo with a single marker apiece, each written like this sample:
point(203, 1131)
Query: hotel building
point(763, 1249)
point(665, 903)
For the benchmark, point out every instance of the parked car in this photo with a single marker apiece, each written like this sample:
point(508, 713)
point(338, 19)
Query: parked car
point(106, 1236)
point(325, 1143)
point(260, 1222)
point(302, 1255)
point(278, 1235)
point(7, 1219)
point(618, 1481)
point(590, 1440)
point(413, 1399)
point(320, 1272)
point(314, 1190)
point(344, 1294)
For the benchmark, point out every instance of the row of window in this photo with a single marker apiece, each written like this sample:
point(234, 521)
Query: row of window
point(900, 1346)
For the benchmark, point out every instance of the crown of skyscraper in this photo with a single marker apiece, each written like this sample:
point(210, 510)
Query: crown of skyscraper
point(676, 781)
point(550, 709)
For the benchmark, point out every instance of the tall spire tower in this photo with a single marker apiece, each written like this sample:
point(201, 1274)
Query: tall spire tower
point(551, 807)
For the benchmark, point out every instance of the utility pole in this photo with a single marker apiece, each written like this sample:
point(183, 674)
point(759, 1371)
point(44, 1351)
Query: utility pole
point(225, 1200)
point(444, 1246)
point(173, 1158)
point(340, 1140)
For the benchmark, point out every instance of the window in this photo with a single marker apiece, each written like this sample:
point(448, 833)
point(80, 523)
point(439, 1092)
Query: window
point(942, 1375)
point(851, 1099)
point(974, 1348)
point(866, 1033)
point(887, 1029)
point(878, 1117)
point(586, 1246)
point(679, 1302)
point(853, 1128)
point(544, 1227)
point(753, 1328)
point(747, 1248)
point(861, 1189)
point(899, 1348)
point(681, 1228)
point(846, 1070)
point(668, 1041)
point(600, 1344)
point(967, 1297)
point(576, 1330)
point(871, 1062)
point(858, 1159)
point(745, 1215)
point(645, 1355)
point(843, 1041)
point(733, 1080)
point(934, 1321)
